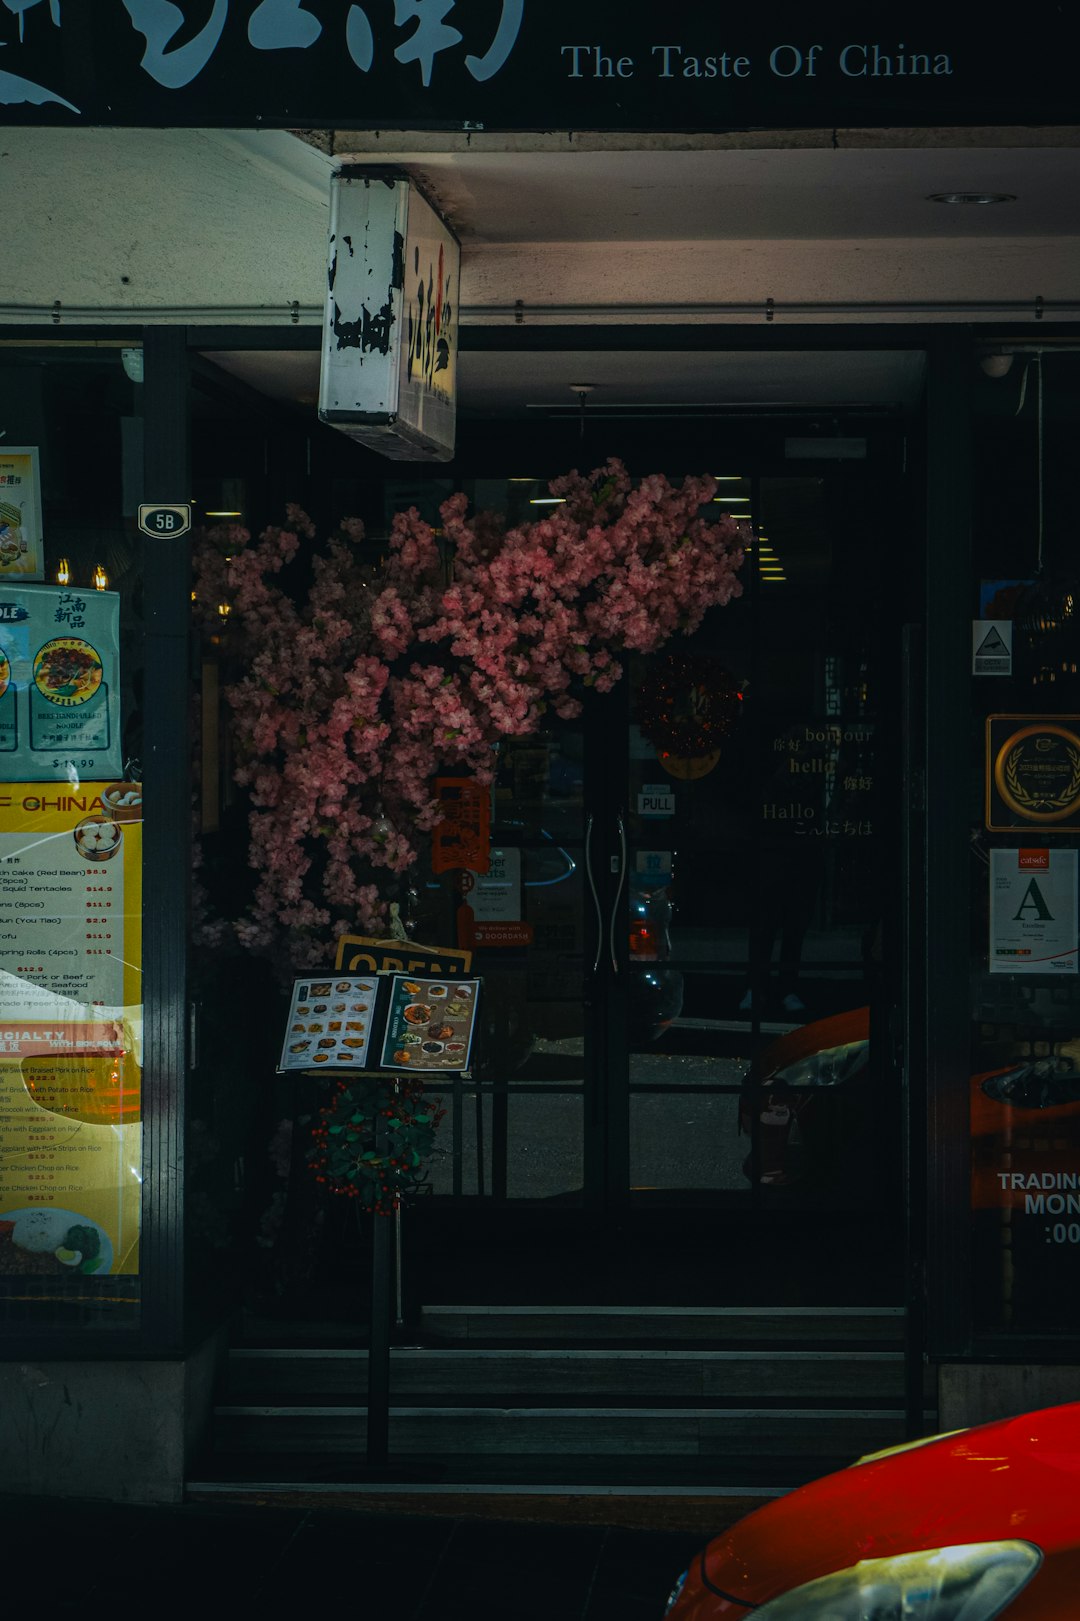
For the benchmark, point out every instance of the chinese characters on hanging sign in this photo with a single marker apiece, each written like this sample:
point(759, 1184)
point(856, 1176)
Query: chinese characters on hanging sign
point(462, 836)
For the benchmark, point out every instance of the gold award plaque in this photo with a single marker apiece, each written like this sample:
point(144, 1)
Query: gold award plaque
point(1033, 772)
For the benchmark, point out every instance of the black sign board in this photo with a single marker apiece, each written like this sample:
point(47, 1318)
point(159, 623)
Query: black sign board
point(574, 65)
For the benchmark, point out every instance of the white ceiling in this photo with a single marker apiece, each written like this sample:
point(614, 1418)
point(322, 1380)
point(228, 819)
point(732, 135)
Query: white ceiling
point(209, 227)
point(511, 384)
point(849, 194)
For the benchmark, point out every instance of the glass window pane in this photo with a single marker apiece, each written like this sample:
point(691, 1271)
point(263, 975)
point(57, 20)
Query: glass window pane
point(461, 1164)
point(1023, 1085)
point(71, 692)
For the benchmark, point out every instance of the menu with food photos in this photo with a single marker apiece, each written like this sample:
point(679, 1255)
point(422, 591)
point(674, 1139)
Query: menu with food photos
point(429, 1023)
point(329, 1024)
point(335, 1023)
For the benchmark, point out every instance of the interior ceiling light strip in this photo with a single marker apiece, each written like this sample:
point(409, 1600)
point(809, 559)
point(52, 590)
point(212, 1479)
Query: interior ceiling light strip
point(610, 407)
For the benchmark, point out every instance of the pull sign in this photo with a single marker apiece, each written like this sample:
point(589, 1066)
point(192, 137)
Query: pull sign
point(167, 521)
point(656, 799)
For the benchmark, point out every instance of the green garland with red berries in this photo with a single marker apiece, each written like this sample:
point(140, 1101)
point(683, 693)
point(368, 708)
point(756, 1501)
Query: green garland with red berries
point(351, 1157)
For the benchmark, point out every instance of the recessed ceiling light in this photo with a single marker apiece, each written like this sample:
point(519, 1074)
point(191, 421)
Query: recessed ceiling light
point(971, 197)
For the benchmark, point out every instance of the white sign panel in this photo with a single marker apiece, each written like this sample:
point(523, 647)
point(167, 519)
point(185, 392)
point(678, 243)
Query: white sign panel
point(167, 521)
point(991, 646)
point(390, 335)
point(22, 554)
point(496, 894)
point(59, 683)
point(656, 799)
point(1033, 912)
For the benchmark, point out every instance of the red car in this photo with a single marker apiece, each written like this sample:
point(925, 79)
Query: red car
point(964, 1527)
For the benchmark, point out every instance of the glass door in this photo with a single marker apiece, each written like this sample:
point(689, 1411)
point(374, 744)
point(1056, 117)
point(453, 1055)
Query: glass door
point(686, 939)
point(760, 817)
point(516, 1124)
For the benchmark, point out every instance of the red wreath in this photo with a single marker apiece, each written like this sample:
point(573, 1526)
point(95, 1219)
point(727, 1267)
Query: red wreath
point(686, 706)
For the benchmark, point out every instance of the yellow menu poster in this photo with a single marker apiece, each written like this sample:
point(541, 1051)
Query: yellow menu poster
point(70, 1028)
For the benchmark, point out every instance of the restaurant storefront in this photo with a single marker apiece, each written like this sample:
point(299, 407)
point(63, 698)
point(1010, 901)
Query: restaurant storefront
point(778, 939)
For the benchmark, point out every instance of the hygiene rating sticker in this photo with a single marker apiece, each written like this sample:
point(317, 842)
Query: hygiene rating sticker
point(1033, 912)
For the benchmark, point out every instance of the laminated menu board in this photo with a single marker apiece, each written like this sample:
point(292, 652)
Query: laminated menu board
point(429, 1023)
point(329, 1023)
point(59, 683)
point(70, 1029)
point(21, 548)
point(381, 1021)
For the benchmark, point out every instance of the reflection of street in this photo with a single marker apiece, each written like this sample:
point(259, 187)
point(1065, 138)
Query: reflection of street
point(684, 1140)
point(832, 953)
point(677, 1140)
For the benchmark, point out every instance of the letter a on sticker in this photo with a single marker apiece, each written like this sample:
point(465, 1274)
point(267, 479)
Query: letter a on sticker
point(1033, 901)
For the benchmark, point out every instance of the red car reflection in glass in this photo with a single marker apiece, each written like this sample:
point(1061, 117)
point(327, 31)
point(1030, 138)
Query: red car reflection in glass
point(784, 1083)
point(965, 1527)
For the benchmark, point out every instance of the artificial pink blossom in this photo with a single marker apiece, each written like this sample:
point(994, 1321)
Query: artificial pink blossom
point(349, 703)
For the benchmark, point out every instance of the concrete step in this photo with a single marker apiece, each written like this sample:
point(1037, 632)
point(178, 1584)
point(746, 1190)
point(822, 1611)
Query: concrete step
point(487, 1374)
point(881, 1327)
point(547, 1431)
point(346, 1476)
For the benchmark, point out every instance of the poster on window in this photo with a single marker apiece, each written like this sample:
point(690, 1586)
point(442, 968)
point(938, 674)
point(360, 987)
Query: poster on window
point(70, 1031)
point(59, 684)
point(22, 552)
point(1033, 912)
point(1033, 773)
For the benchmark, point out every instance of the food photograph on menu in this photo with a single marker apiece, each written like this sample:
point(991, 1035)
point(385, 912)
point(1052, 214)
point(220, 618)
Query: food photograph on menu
point(59, 684)
point(329, 1023)
point(430, 1022)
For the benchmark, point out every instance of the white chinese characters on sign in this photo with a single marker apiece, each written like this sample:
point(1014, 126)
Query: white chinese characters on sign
point(274, 25)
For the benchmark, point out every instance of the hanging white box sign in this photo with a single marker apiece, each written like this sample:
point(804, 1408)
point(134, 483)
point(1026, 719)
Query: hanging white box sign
point(390, 334)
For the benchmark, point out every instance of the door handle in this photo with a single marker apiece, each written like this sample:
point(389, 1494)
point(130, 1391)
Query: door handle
point(591, 876)
point(618, 894)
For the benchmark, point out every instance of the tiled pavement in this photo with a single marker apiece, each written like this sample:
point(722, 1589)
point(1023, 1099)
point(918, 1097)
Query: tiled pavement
point(65, 1557)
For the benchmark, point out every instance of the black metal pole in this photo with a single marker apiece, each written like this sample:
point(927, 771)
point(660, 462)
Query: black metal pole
point(382, 1283)
point(167, 839)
